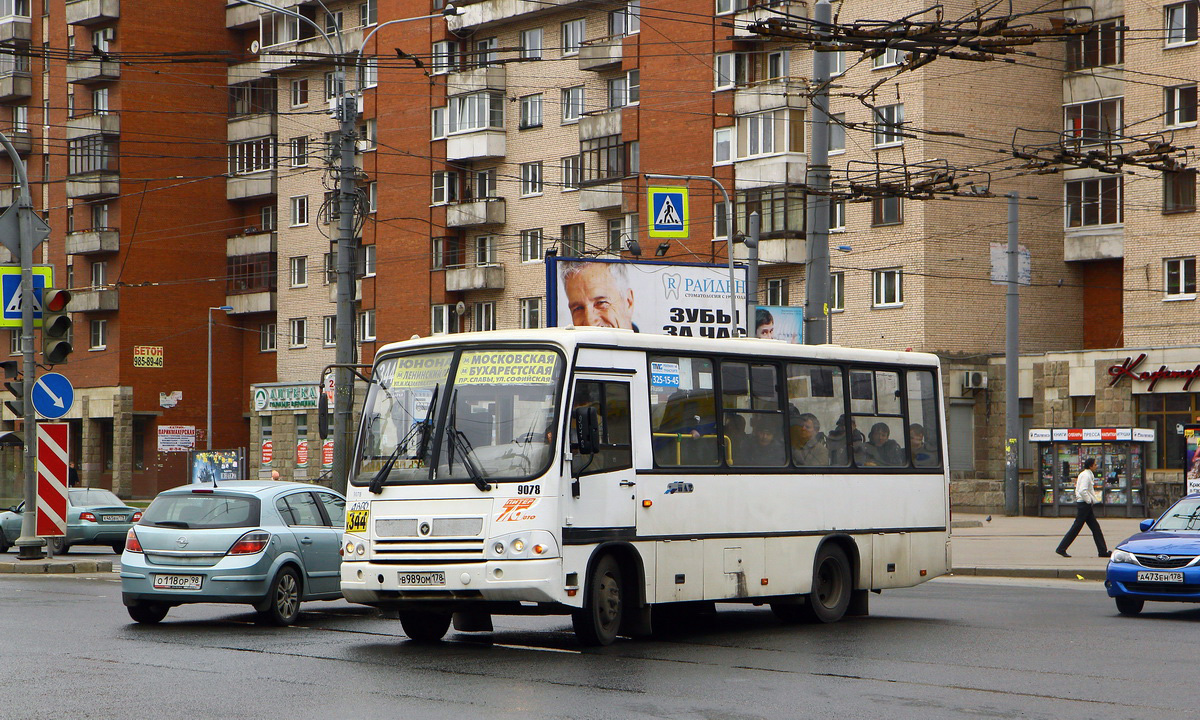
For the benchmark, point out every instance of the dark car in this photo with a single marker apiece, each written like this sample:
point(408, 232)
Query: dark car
point(1161, 563)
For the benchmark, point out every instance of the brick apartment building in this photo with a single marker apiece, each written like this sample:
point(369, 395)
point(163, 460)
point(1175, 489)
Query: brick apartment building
point(492, 136)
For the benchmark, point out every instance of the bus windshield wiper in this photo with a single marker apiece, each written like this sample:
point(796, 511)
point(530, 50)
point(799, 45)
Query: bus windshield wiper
point(462, 446)
point(422, 427)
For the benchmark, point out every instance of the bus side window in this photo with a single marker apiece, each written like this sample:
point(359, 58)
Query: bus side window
point(817, 414)
point(924, 445)
point(683, 412)
point(611, 400)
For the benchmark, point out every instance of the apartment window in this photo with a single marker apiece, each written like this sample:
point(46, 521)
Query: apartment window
point(445, 187)
point(776, 66)
point(14, 342)
point(728, 6)
point(624, 90)
point(250, 273)
point(720, 221)
point(1103, 45)
point(769, 133)
point(888, 288)
point(329, 330)
point(777, 291)
point(334, 22)
point(888, 121)
point(1181, 105)
point(837, 133)
point(18, 8)
point(485, 52)
point(626, 20)
point(476, 111)
point(444, 57)
point(99, 216)
point(299, 271)
point(298, 150)
point(481, 184)
point(330, 268)
point(837, 63)
point(780, 209)
point(438, 123)
point(299, 92)
point(604, 159)
point(531, 44)
point(890, 58)
point(366, 325)
point(99, 274)
point(298, 332)
point(1179, 278)
point(887, 211)
point(266, 218)
point(484, 316)
point(366, 136)
point(251, 156)
point(1094, 202)
point(100, 101)
point(570, 173)
point(299, 206)
point(368, 13)
point(443, 319)
point(531, 111)
point(368, 72)
point(722, 146)
point(1093, 122)
point(837, 291)
point(99, 335)
point(725, 70)
point(372, 196)
point(572, 36)
point(335, 85)
point(1181, 23)
point(531, 312)
point(367, 260)
point(1179, 191)
point(571, 240)
point(531, 245)
point(572, 103)
point(485, 250)
point(531, 178)
point(837, 215)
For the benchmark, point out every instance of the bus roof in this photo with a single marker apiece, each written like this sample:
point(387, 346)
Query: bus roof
point(570, 337)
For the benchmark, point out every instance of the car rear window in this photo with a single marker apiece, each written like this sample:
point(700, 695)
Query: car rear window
point(202, 511)
point(93, 496)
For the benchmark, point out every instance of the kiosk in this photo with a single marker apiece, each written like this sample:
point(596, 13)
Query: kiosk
point(1120, 468)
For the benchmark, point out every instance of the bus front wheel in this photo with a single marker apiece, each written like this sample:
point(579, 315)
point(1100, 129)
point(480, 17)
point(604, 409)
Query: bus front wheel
point(424, 626)
point(599, 620)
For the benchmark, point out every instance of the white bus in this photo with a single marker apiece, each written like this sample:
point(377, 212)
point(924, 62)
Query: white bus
point(604, 473)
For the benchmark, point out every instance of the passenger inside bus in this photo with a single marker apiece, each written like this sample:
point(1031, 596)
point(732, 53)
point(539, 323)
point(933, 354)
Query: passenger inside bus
point(767, 449)
point(808, 442)
point(880, 450)
point(843, 441)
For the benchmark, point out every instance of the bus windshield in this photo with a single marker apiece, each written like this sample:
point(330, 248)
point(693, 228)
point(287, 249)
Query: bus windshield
point(466, 415)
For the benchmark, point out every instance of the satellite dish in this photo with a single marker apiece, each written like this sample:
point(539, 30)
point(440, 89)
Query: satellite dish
point(460, 308)
point(254, 47)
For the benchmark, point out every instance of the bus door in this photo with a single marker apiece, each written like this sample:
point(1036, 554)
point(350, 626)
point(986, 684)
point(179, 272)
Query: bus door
point(601, 491)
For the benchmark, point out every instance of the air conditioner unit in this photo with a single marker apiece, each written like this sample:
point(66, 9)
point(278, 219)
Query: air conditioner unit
point(974, 380)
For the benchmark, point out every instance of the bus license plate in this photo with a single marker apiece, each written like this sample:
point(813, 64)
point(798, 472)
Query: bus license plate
point(1154, 576)
point(423, 579)
point(177, 582)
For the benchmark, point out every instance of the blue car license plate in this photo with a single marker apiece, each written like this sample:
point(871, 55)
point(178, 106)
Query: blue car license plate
point(1159, 576)
point(177, 582)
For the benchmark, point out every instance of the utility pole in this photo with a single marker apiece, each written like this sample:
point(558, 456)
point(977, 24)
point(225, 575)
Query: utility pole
point(755, 223)
point(816, 274)
point(343, 399)
point(1012, 327)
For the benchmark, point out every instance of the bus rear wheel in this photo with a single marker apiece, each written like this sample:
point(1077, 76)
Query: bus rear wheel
point(599, 621)
point(832, 588)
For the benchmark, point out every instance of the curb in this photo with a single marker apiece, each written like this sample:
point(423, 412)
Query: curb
point(1044, 573)
point(55, 567)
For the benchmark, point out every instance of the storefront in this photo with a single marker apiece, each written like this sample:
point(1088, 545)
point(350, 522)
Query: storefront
point(284, 437)
point(1120, 468)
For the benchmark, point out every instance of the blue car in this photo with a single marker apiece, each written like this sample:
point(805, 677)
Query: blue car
point(268, 544)
point(1160, 563)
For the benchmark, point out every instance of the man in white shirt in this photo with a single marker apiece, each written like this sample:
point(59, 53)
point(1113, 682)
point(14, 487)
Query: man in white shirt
point(1085, 500)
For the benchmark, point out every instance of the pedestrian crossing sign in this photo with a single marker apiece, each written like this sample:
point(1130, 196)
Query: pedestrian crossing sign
point(668, 212)
point(12, 301)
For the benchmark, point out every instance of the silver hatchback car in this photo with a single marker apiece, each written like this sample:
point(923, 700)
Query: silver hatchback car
point(269, 544)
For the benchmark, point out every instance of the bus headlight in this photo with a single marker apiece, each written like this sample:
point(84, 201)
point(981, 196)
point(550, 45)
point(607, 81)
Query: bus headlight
point(524, 545)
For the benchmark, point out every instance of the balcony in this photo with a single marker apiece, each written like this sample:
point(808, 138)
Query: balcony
point(92, 12)
point(94, 241)
point(15, 29)
point(602, 196)
point(245, 127)
point(92, 70)
point(491, 77)
point(485, 211)
point(251, 302)
point(781, 169)
point(94, 185)
point(308, 52)
point(15, 85)
point(602, 54)
point(254, 185)
point(481, 13)
point(240, 15)
point(477, 145)
point(93, 124)
point(22, 140)
point(776, 250)
point(765, 11)
point(94, 300)
point(484, 277)
point(770, 95)
point(594, 125)
point(1099, 243)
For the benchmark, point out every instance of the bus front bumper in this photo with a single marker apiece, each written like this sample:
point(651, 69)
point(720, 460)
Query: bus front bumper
point(537, 581)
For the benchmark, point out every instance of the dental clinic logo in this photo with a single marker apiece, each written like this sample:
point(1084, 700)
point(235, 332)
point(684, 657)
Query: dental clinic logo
point(671, 283)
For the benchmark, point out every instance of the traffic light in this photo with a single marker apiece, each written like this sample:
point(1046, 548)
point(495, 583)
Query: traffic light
point(17, 387)
point(56, 326)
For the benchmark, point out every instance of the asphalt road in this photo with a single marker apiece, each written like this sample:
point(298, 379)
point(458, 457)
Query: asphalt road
point(953, 648)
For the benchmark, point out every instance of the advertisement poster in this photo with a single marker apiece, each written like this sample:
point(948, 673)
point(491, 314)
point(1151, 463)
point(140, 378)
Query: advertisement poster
point(1191, 457)
point(778, 322)
point(689, 300)
point(176, 438)
point(218, 465)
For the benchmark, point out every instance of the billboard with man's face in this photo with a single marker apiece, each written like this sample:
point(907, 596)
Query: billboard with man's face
point(690, 300)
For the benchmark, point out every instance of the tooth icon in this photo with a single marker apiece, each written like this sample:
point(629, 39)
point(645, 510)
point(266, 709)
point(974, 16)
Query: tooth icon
point(671, 283)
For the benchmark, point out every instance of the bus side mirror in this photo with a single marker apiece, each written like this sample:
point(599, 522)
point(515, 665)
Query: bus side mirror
point(323, 416)
point(587, 430)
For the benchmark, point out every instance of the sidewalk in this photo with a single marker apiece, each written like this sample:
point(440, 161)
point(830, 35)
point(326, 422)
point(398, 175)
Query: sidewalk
point(1024, 546)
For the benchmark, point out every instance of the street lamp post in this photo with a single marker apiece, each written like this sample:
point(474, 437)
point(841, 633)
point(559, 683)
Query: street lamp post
point(208, 423)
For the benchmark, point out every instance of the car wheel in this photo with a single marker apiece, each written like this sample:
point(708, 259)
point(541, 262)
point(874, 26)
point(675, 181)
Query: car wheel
point(599, 621)
point(118, 547)
point(424, 626)
point(281, 606)
point(148, 613)
point(4, 543)
point(58, 545)
point(1129, 606)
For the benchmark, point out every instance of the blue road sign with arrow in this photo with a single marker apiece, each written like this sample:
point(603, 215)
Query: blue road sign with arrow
point(53, 395)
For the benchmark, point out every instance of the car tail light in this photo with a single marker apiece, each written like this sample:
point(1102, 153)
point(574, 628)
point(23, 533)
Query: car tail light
point(136, 516)
point(131, 542)
point(87, 516)
point(252, 542)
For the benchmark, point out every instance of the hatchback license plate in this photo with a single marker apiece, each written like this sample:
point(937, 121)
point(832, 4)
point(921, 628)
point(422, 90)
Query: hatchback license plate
point(112, 518)
point(177, 582)
point(427, 579)
point(1155, 576)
